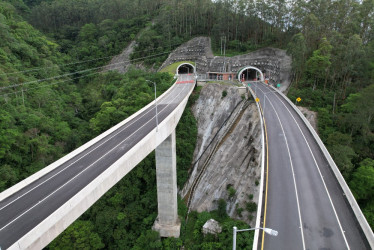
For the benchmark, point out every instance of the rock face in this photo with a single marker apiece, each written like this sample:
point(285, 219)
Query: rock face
point(122, 62)
point(197, 50)
point(311, 116)
point(228, 152)
point(274, 63)
point(212, 227)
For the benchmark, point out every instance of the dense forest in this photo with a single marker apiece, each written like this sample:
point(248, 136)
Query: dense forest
point(54, 96)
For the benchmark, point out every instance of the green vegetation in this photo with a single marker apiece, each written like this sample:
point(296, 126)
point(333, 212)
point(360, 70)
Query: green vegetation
point(333, 71)
point(53, 97)
point(231, 191)
point(239, 210)
point(251, 206)
point(224, 94)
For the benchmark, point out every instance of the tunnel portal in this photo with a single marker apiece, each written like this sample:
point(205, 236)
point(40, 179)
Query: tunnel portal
point(250, 73)
point(185, 68)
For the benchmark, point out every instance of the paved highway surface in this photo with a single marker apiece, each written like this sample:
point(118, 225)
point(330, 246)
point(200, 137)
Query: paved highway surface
point(23, 210)
point(305, 203)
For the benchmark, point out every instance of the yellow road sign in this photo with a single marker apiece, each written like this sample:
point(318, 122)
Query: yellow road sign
point(257, 99)
point(298, 99)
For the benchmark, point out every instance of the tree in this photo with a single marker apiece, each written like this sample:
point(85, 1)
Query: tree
point(148, 240)
point(80, 235)
point(297, 49)
point(318, 65)
point(342, 156)
point(362, 183)
point(222, 208)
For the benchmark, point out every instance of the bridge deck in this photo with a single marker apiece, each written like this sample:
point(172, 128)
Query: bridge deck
point(22, 211)
point(305, 202)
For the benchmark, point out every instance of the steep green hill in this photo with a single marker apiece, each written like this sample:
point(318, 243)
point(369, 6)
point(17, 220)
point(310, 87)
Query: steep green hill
point(44, 116)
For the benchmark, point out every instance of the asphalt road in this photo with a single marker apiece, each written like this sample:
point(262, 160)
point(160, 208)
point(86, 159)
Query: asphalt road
point(25, 209)
point(305, 203)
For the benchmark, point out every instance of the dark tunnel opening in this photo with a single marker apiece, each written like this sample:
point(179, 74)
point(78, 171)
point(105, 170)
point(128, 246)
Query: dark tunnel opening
point(250, 75)
point(185, 69)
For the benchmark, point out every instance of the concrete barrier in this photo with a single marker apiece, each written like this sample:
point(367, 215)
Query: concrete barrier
point(49, 168)
point(348, 194)
point(58, 221)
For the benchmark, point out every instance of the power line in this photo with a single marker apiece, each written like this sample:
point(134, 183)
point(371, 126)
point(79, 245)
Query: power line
point(77, 62)
point(45, 85)
point(78, 72)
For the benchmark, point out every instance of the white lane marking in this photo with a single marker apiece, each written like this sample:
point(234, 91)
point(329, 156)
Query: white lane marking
point(87, 166)
point(319, 171)
point(104, 140)
point(293, 172)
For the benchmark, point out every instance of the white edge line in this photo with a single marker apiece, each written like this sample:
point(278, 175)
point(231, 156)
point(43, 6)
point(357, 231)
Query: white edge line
point(320, 174)
point(348, 193)
point(293, 173)
point(10, 191)
point(259, 207)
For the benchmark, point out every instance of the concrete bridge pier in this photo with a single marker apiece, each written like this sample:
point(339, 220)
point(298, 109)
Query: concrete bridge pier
point(167, 222)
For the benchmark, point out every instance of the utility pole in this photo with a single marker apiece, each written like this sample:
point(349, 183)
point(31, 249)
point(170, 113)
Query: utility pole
point(221, 45)
point(23, 98)
point(224, 55)
point(154, 84)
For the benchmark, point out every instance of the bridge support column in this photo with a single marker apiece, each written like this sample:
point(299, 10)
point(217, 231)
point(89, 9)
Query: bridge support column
point(167, 222)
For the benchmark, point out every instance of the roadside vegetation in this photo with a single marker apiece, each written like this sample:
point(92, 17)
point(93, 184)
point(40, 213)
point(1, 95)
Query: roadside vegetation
point(54, 98)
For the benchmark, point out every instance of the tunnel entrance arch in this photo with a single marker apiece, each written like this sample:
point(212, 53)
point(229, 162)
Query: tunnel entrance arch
point(186, 68)
point(250, 73)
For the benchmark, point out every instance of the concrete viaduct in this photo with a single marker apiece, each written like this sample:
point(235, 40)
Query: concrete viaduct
point(39, 208)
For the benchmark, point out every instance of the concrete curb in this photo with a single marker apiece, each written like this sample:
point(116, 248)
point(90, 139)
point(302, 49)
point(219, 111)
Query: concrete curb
point(259, 207)
point(348, 194)
point(10, 191)
point(58, 221)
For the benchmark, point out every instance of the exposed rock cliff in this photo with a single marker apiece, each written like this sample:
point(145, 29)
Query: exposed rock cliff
point(227, 154)
point(121, 62)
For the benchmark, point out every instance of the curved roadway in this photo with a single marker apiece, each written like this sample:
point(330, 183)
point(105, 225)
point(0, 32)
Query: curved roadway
point(22, 211)
point(304, 200)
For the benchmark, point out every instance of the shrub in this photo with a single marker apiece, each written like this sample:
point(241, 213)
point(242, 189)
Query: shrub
point(231, 191)
point(251, 206)
point(221, 208)
point(239, 210)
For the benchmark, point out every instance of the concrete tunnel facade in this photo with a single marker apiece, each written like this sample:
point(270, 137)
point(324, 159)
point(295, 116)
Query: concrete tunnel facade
point(249, 72)
point(186, 68)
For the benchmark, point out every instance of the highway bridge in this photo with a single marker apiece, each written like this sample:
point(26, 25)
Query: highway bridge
point(36, 210)
point(303, 200)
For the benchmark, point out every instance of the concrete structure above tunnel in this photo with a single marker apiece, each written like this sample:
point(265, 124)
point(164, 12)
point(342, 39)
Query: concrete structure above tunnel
point(185, 68)
point(275, 63)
